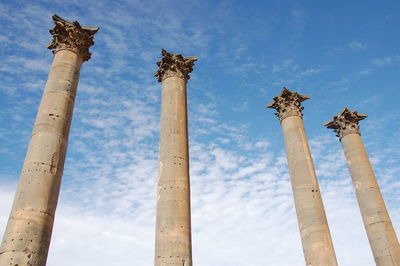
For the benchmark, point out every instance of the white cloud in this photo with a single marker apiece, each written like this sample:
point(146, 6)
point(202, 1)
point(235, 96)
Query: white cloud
point(357, 46)
point(287, 65)
point(378, 63)
point(365, 72)
point(241, 204)
point(386, 61)
point(309, 72)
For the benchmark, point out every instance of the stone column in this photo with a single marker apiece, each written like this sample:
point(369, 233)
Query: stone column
point(173, 227)
point(27, 237)
point(381, 235)
point(314, 230)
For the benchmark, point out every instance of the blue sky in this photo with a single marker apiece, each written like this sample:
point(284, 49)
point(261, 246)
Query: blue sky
point(340, 53)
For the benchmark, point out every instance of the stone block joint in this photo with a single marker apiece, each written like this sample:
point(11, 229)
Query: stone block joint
point(29, 228)
point(173, 245)
point(378, 226)
point(313, 225)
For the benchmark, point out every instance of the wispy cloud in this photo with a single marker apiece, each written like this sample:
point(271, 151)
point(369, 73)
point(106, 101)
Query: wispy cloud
point(357, 46)
point(379, 62)
point(286, 65)
point(247, 200)
point(309, 72)
point(241, 194)
point(386, 61)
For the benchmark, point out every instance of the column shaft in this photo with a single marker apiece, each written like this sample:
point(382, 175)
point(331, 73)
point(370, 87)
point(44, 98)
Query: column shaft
point(173, 228)
point(28, 233)
point(381, 235)
point(314, 230)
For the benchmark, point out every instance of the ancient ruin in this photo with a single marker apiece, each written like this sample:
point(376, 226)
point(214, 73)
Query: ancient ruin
point(173, 224)
point(381, 235)
point(27, 237)
point(28, 233)
point(314, 230)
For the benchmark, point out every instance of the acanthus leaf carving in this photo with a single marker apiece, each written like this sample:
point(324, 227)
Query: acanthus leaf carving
point(72, 36)
point(346, 122)
point(174, 65)
point(287, 104)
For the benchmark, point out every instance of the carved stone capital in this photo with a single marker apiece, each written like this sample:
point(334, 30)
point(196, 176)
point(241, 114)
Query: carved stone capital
point(346, 122)
point(174, 65)
point(287, 104)
point(72, 36)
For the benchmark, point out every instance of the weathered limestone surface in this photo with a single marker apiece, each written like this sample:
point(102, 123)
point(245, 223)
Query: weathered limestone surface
point(314, 230)
point(381, 235)
point(28, 233)
point(173, 225)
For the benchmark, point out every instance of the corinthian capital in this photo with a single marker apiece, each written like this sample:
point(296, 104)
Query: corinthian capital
point(288, 103)
point(72, 36)
point(346, 122)
point(174, 65)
